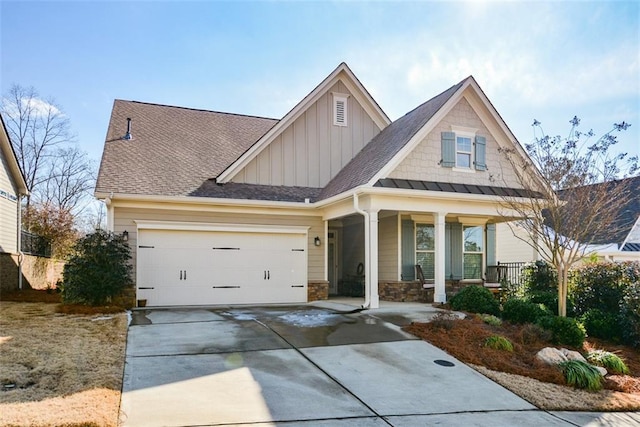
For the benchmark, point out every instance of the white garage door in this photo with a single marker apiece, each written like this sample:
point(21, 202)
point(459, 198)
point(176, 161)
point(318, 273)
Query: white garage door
point(205, 267)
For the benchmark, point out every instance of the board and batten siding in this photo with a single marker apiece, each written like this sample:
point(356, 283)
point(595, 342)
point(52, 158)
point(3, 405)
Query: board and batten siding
point(8, 210)
point(423, 163)
point(388, 248)
point(312, 150)
point(124, 219)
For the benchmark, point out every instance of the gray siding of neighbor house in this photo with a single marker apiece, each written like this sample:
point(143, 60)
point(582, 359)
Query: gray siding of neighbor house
point(312, 150)
point(124, 219)
point(8, 209)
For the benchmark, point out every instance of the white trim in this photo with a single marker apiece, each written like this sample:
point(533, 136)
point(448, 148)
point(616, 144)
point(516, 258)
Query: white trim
point(380, 118)
point(423, 219)
point(399, 251)
point(472, 221)
point(205, 226)
point(463, 130)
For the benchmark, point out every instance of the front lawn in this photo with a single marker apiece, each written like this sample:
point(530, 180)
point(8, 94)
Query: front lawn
point(59, 369)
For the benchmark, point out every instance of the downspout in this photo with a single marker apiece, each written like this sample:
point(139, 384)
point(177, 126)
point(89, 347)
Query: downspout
point(19, 240)
point(367, 253)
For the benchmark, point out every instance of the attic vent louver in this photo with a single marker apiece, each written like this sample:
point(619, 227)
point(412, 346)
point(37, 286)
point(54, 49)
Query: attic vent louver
point(127, 136)
point(340, 109)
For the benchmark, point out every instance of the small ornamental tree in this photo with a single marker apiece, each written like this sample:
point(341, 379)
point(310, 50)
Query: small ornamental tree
point(97, 270)
point(575, 194)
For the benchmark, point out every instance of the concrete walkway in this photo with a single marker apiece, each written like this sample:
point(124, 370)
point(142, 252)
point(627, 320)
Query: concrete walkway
point(310, 365)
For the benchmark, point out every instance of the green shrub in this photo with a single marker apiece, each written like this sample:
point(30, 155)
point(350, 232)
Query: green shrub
point(540, 277)
point(601, 324)
point(565, 330)
point(490, 319)
point(602, 285)
point(497, 342)
point(519, 311)
point(581, 375)
point(97, 270)
point(629, 318)
point(531, 333)
point(475, 299)
point(611, 361)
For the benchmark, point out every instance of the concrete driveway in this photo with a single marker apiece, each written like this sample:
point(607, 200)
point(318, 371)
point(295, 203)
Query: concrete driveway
point(305, 365)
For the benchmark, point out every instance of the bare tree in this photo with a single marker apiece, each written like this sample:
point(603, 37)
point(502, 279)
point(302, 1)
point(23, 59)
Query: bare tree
point(57, 172)
point(70, 180)
point(582, 200)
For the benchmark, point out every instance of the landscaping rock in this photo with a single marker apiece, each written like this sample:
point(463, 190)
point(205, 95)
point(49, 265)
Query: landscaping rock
point(602, 370)
point(551, 356)
point(573, 355)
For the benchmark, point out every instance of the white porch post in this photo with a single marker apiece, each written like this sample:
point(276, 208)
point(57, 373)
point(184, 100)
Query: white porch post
point(439, 292)
point(372, 262)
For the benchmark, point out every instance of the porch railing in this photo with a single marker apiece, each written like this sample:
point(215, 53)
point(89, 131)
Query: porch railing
point(33, 244)
point(509, 272)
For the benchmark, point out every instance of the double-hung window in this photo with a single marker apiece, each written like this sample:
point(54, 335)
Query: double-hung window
point(425, 249)
point(473, 250)
point(464, 150)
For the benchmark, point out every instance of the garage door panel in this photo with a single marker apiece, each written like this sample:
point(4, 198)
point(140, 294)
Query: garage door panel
point(192, 268)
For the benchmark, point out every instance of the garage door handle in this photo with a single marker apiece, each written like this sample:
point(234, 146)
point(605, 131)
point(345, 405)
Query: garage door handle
point(265, 275)
point(268, 275)
point(185, 275)
point(180, 274)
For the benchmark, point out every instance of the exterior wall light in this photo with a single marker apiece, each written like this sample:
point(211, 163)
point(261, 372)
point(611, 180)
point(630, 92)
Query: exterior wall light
point(125, 235)
point(316, 241)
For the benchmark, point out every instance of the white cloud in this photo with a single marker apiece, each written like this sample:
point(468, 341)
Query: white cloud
point(38, 107)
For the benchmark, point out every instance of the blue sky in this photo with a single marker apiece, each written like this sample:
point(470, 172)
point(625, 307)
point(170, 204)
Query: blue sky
point(535, 60)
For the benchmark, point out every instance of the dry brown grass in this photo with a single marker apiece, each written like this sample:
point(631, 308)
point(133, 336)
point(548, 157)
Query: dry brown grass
point(542, 385)
point(66, 369)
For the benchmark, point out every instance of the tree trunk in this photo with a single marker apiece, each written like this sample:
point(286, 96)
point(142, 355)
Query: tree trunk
point(563, 279)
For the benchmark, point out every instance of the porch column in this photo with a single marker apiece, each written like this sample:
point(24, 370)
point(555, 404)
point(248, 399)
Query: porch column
point(372, 263)
point(439, 291)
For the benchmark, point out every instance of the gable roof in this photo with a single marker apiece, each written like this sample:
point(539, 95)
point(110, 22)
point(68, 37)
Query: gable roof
point(173, 149)
point(10, 155)
point(626, 217)
point(384, 146)
point(341, 73)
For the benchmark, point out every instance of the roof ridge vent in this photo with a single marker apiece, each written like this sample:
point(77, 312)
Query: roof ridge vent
point(127, 136)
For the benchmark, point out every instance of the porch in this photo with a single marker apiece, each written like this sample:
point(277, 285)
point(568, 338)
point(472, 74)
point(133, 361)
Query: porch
point(373, 253)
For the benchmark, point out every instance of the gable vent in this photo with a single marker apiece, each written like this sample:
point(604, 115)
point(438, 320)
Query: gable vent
point(340, 109)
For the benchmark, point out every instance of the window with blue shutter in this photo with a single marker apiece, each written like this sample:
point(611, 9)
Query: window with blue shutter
point(448, 140)
point(481, 153)
point(408, 251)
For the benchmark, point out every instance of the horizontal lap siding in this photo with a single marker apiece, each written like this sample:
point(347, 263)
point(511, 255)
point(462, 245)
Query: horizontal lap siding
point(388, 248)
point(125, 220)
point(8, 210)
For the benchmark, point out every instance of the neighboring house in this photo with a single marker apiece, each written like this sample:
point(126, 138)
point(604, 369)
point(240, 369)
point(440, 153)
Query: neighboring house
point(12, 187)
point(333, 198)
point(622, 243)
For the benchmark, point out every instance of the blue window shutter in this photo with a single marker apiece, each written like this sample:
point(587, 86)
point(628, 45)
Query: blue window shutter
point(491, 244)
point(456, 251)
point(448, 149)
point(408, 250)
point(481, 153)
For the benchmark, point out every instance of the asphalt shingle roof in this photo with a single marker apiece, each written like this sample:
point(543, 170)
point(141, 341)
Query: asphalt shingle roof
point(174, 150)
point(626, 217)
point(384, 146)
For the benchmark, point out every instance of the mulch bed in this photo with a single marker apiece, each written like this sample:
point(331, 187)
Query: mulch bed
point(464, 339)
